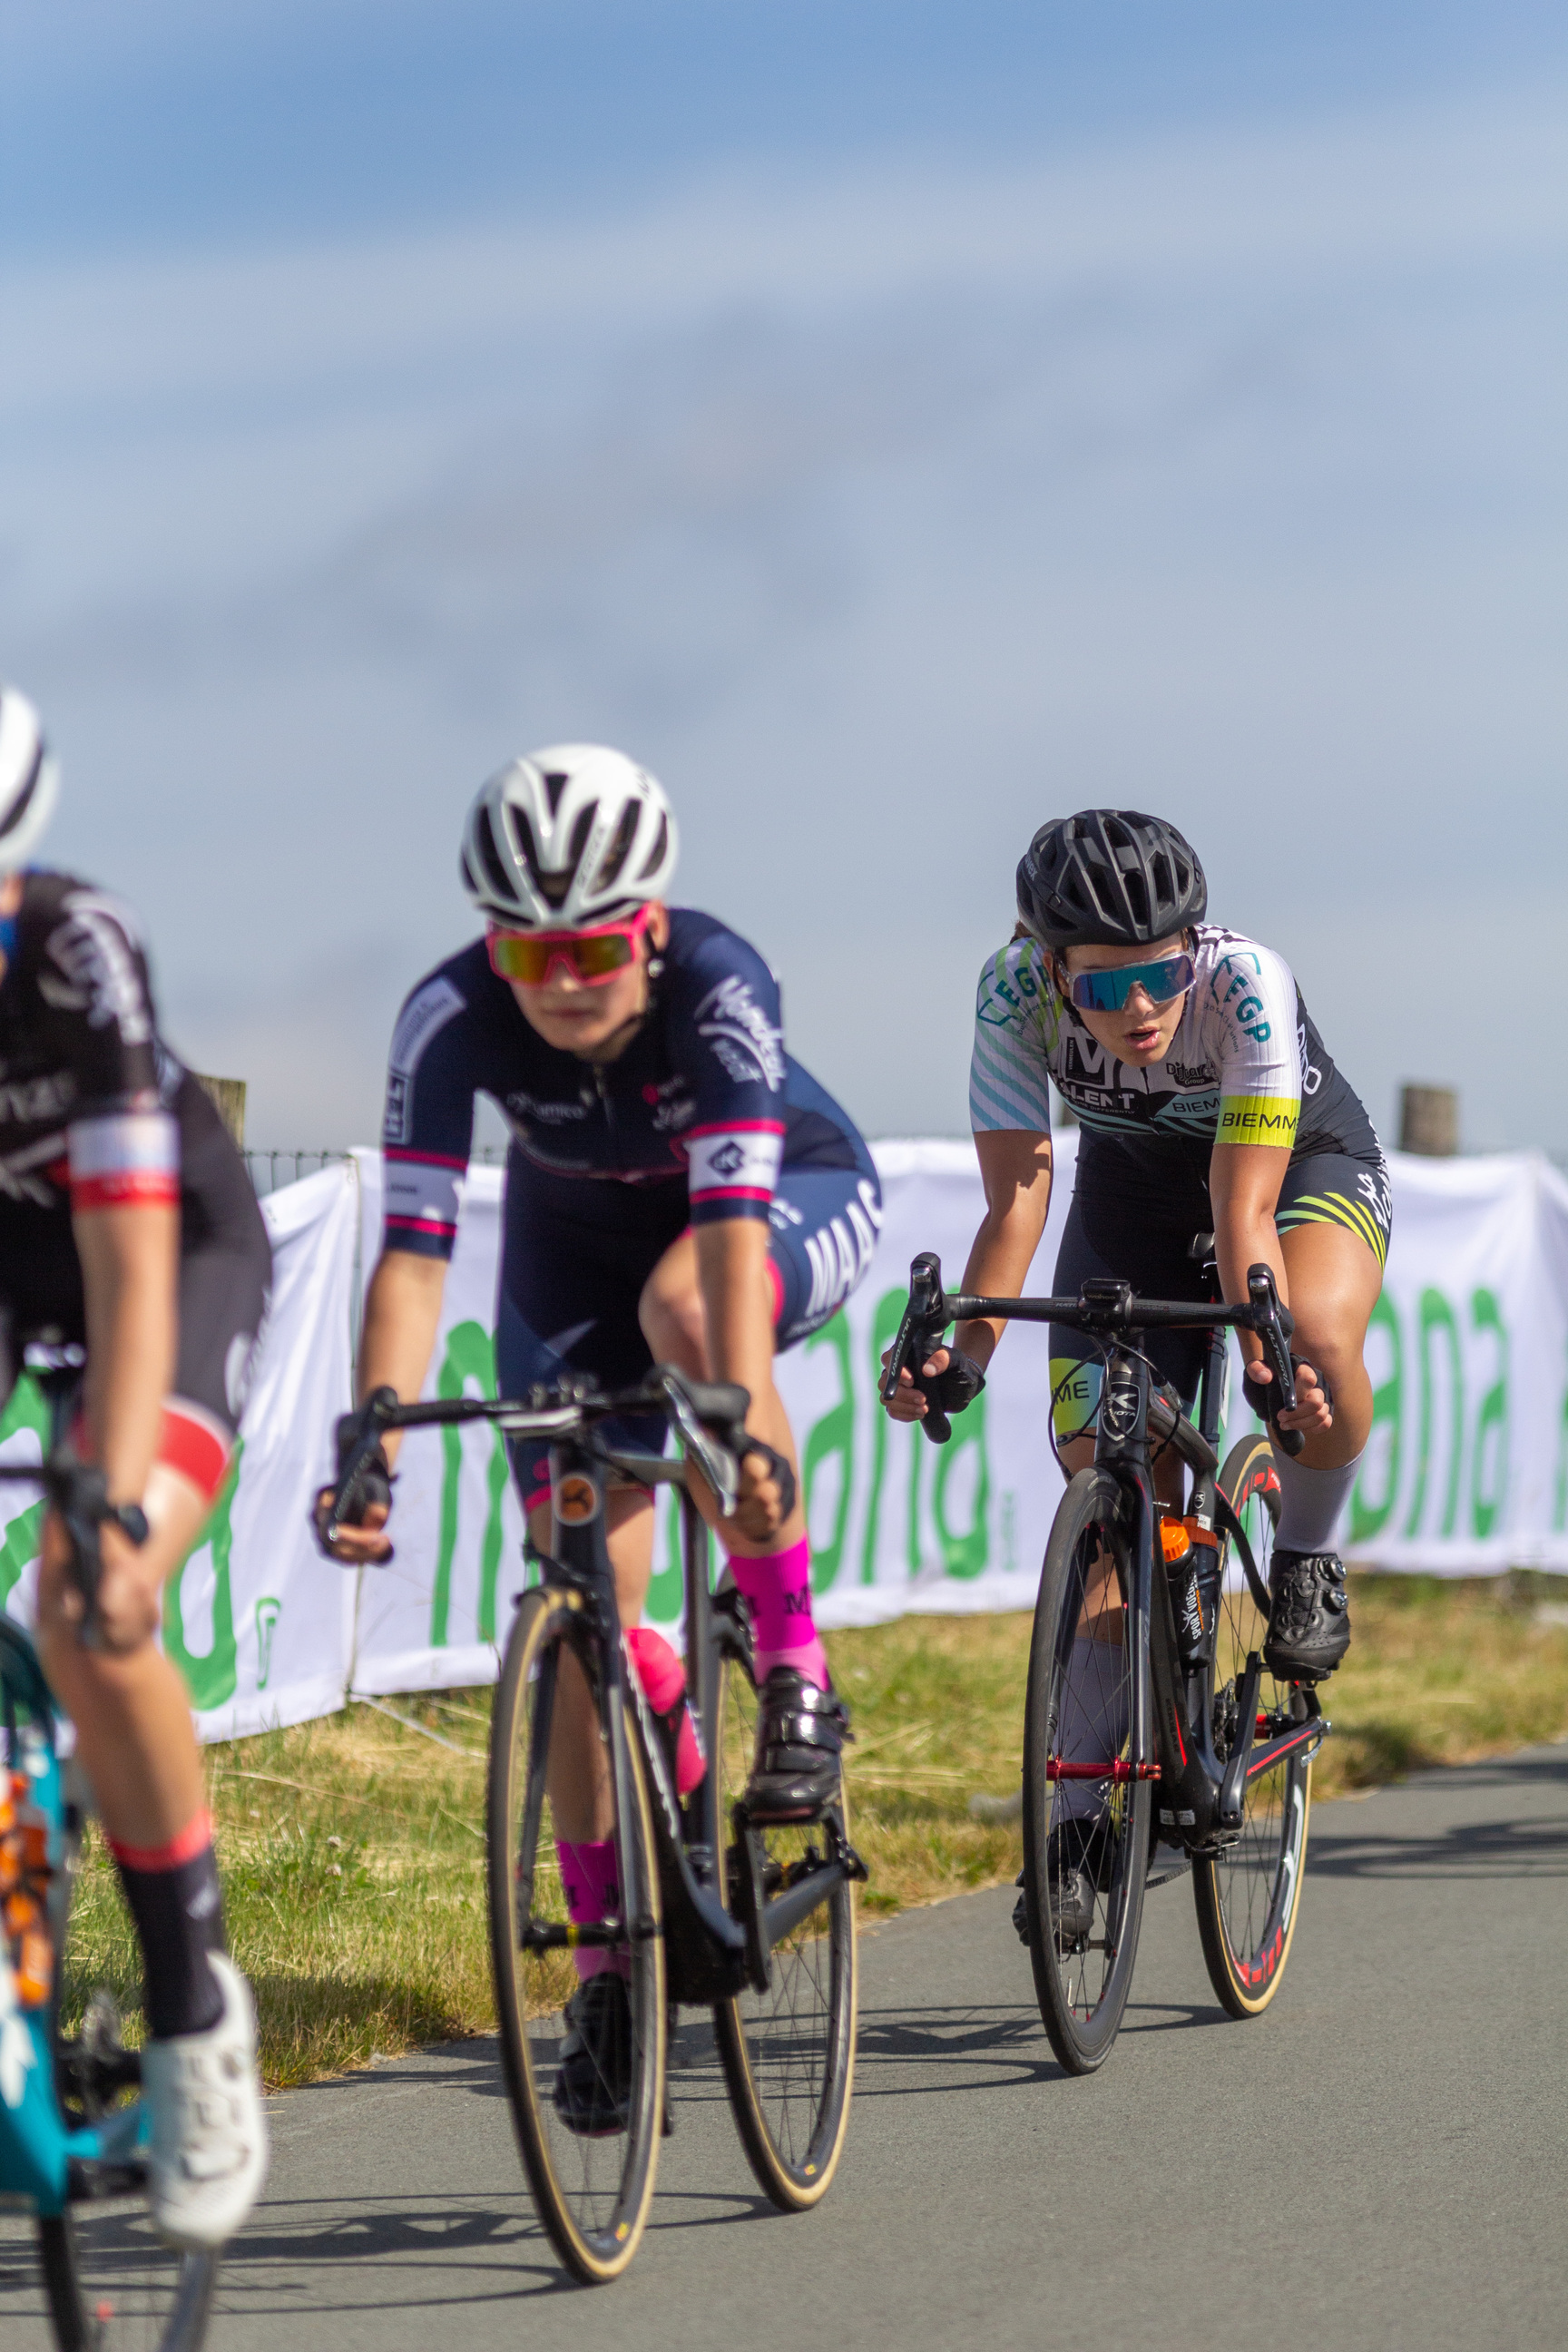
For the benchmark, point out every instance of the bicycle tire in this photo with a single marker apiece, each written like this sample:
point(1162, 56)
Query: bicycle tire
point(788, 2054)
point(1082, 1998)
point(1248, 1895)
point(114, 2285)
point(592, 2192)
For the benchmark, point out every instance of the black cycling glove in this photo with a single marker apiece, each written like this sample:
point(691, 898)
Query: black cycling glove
point(958, 1386)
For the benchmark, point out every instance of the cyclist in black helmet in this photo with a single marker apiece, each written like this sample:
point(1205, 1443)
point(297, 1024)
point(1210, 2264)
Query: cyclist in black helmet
point(1207, 1099)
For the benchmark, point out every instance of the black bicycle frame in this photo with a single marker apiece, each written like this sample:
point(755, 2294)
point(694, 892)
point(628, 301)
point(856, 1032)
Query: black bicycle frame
point(1171, 1732)
point(710, 1953)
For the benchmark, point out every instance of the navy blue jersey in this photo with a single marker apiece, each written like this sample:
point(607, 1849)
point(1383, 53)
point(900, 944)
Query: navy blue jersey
point(704, 1095)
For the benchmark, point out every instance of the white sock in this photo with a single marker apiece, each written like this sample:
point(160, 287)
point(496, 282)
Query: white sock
point(1093, 1725)
point(1310, 1502)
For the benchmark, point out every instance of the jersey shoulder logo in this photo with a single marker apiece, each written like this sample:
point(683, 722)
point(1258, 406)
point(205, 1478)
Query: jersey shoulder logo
point(96, 967)
point(427, 1009)
point(743, 1039)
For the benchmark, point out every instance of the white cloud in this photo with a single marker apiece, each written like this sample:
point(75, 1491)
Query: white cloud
point(883, 517)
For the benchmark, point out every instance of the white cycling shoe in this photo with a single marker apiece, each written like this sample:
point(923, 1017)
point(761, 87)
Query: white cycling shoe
point(208, 2156)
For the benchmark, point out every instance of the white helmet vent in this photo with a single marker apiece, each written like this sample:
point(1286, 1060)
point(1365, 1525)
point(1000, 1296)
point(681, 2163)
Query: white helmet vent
point(567, 837)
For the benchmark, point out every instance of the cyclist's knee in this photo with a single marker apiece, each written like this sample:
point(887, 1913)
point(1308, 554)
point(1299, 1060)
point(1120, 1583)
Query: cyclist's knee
point(671, 1315)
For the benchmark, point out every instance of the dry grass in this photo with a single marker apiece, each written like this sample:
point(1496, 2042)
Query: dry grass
point(353, 1863)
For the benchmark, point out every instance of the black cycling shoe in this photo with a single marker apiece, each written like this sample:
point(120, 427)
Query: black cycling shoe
point(1077, 1867)
point(801, 1732)
point(593, 2081)
point(1309, 1622)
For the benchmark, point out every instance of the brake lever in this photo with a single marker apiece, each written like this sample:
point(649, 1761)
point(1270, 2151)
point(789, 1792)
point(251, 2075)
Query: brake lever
point(719, 1464)
point(1275, 1327)
point(920, 1333)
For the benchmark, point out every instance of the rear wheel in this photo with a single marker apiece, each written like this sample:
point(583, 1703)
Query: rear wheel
point(592, 2175)
point(1247, 1896)
point(1085, 1834)
point(789, 2053)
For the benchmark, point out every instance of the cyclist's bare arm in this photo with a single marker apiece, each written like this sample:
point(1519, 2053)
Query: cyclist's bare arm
point(402, 1315)
point(737, 1312)
point(130, 1269)
point(1015, 1173)
point(1244, 1187)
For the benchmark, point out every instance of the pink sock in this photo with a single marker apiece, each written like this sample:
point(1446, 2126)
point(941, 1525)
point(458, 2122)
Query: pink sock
point(592, 1893)
point(778, 1587)
point(663, 1678)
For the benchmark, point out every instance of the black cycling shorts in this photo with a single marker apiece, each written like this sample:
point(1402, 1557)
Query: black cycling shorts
point(576, 1254)
point(1142, 1242)
point(225, 1275)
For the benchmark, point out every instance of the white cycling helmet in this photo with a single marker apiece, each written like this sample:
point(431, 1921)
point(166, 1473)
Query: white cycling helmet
point(572, 836)
point(29, 780)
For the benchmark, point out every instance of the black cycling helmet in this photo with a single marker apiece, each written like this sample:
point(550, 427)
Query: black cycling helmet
point(1108, 878)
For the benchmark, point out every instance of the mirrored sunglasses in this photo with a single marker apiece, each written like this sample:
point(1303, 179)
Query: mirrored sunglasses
point(1108, 991)
point(591, 957)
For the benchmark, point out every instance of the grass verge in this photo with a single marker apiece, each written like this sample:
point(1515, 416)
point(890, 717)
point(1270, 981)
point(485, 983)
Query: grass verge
point(353, 1858)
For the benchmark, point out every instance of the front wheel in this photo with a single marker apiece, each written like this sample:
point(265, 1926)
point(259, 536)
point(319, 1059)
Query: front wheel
point(114, 2286)
point(586, 2085)
point(789, 2053)
point(1248, 1895)
point(1085, 1831)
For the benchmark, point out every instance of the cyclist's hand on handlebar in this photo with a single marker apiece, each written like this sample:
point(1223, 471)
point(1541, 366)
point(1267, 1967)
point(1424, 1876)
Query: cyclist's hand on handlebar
point(1314, 1411)
point(361, 1543)
point(950, 1379)
point(129, 1598)
point(759, 1514)
point(365, 1508)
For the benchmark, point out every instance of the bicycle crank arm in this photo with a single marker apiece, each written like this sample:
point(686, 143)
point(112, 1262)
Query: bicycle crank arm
point(1236, 1772)
point(1063, 1768)
point(786, 1912)
point(598, 1935)
point(1306, 1737)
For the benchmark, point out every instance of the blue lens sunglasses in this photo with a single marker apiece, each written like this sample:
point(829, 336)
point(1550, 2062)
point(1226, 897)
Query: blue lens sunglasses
point(1108, 991)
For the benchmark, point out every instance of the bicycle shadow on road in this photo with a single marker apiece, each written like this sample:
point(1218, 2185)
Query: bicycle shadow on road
point(1505, 1846)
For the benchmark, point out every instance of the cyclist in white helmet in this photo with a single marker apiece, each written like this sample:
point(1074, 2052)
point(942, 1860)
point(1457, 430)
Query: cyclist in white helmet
point(131, 1244)
point(678, 1191)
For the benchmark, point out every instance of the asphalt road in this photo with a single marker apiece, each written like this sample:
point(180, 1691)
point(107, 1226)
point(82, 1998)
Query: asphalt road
point(1379, 2161)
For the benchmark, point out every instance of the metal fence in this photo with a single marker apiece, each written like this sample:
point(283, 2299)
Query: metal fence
point(271, 1171)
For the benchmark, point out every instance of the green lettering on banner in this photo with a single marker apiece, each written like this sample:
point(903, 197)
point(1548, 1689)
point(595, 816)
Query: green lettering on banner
point(1369, 1517)
point(1436, 1314)
point(470, 1356)
point(1489, 1464)
point(210, 1676)
point(667, 1587)
point(964, 1555)
point(24, 1408)
point(884, 1330)
point(832, 1433)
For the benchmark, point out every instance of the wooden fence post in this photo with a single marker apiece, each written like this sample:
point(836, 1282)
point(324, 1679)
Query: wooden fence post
point(1429, 1121)
point(228, 1096)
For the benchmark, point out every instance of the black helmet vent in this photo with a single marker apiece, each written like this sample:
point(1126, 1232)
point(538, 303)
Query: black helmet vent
point(1109, 877)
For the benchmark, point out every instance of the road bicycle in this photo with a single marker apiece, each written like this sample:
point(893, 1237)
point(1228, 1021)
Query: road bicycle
point(1150, 1714)
point(754, 1921)
point(73, 2129)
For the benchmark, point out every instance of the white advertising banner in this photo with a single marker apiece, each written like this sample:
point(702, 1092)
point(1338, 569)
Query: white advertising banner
point(1466, 1471)
point(259, 1621)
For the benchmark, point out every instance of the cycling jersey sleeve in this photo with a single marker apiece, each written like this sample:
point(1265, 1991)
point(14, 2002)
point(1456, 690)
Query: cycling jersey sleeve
point(1015, 1030)
point(726, 1034)
point(1250, 1021)
point(123, 1144)
point(431, 1080)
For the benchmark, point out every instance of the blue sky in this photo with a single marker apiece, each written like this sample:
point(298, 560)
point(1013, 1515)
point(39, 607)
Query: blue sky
point(894, 425)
